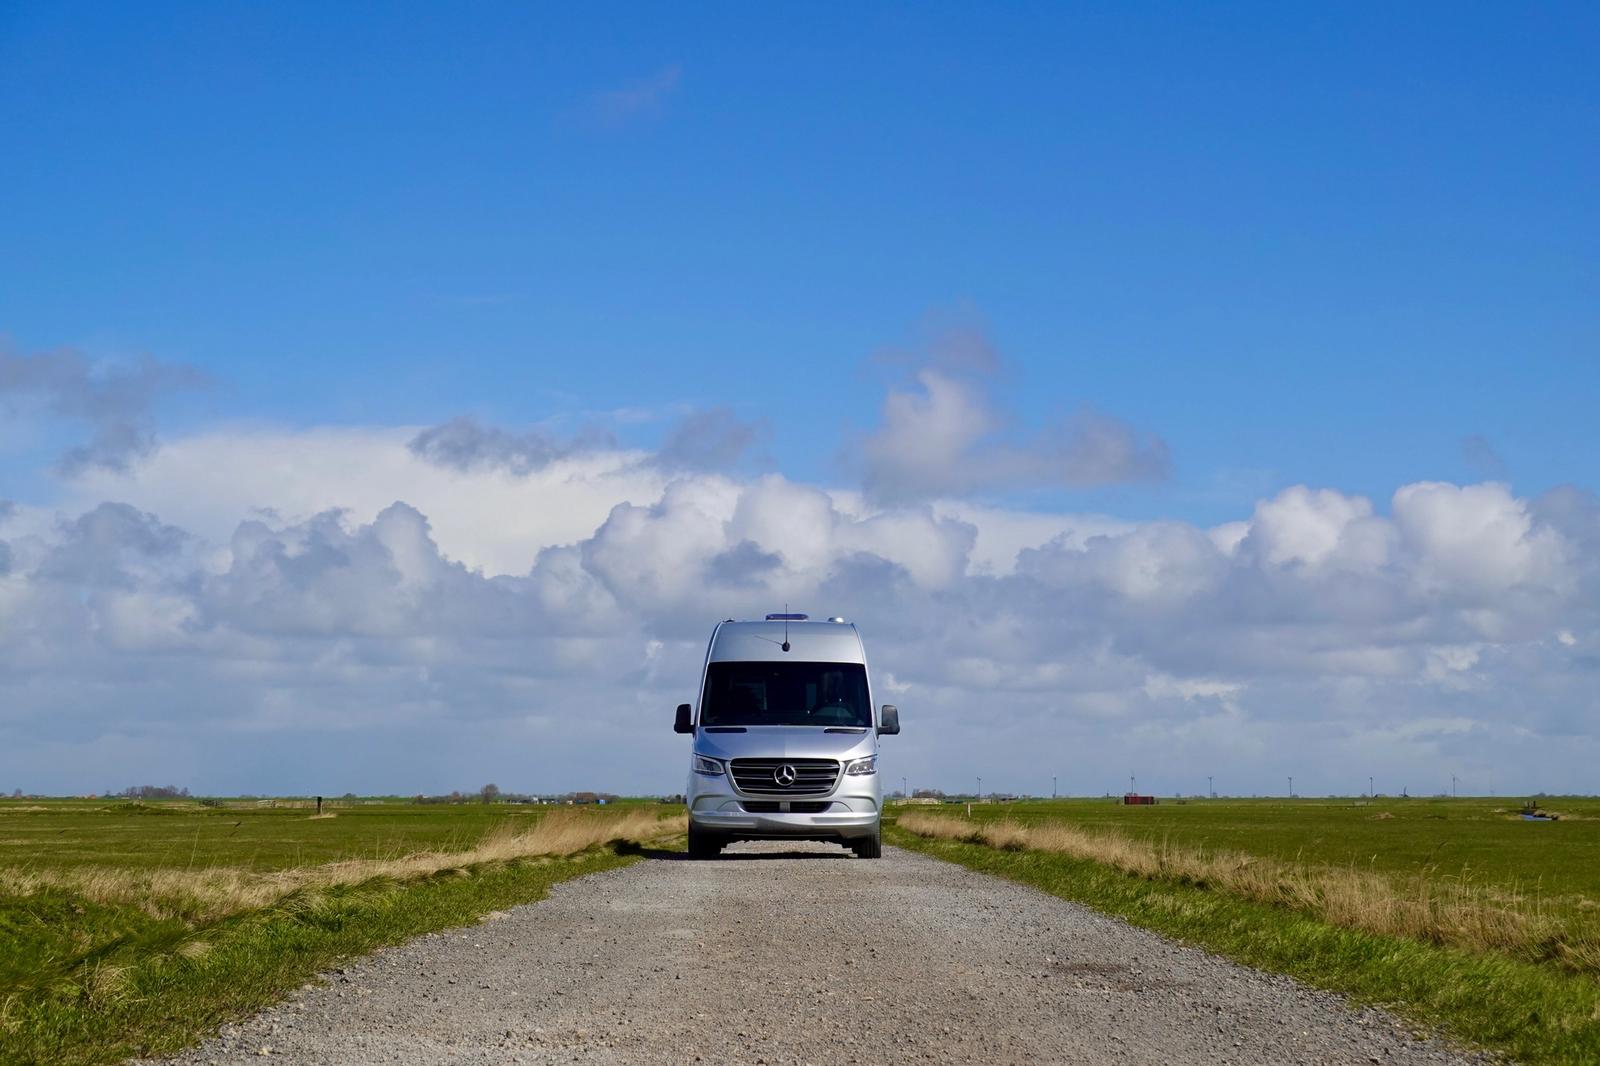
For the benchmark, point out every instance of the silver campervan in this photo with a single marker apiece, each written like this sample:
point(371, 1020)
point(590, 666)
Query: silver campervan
point(785, 741)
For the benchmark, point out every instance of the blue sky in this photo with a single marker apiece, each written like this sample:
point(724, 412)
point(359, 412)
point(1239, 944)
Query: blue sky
point(1321, 249)
point(899, 307)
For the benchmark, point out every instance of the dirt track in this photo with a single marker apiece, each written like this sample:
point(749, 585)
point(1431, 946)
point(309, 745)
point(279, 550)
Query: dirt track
point(784, 954)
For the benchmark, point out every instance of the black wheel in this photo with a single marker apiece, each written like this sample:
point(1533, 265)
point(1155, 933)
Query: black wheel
point(703, 845)
point(869, 847)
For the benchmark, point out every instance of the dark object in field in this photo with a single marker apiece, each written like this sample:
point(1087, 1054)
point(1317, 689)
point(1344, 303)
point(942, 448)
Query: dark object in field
point(1532, 813)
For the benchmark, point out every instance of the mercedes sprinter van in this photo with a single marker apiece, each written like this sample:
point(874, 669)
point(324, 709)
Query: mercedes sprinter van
point(785, 741)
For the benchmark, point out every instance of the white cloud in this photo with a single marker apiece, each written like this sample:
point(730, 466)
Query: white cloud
point(265, 608)
point(1313, 529)
point(486, 515)
point(1478, 540)
point(946, 437)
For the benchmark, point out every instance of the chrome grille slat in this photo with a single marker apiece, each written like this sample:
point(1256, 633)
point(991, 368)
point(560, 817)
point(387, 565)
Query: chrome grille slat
point(813, 777)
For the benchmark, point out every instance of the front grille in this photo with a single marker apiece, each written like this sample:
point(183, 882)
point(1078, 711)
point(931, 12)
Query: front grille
point(761, 806)
point(812, 777)
point(812, 807)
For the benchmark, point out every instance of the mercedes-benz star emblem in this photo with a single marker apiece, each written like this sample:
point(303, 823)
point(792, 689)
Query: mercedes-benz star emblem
point(784, 775)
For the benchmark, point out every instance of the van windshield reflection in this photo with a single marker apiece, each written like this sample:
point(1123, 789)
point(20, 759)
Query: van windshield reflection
point(786, 693)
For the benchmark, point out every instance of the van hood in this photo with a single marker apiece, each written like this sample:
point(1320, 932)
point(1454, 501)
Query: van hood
point(784, 741)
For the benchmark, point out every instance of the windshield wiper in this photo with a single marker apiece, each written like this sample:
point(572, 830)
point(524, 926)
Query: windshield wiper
point(845, 729)
point(726, 729)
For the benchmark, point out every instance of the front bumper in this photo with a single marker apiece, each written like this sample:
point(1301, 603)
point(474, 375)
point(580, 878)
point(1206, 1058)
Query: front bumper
point(849, 813)
point(837, 823)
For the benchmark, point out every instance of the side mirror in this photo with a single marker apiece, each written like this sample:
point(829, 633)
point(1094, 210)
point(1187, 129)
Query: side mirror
point(889, 721)
point(684, 723)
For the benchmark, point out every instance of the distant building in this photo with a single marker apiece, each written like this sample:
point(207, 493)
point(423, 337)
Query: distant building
point(1133, 799)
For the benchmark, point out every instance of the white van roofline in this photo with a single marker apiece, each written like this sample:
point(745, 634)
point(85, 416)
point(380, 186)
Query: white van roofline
point(811, 642)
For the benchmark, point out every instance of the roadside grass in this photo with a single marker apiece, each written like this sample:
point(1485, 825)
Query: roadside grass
point(1436, 957)
point(101, 963)
point(1452, 911)
point(1553, 865)
point(255, 834)
point(207, 894)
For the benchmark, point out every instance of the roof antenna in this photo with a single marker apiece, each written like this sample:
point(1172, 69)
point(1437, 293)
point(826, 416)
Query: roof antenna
point(785, 644)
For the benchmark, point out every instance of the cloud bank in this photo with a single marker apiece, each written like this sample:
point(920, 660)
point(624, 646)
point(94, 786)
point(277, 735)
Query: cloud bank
point(354, 614)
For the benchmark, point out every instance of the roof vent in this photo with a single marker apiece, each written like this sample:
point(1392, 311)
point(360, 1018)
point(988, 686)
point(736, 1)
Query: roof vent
point(837, 619)
point(787, 617)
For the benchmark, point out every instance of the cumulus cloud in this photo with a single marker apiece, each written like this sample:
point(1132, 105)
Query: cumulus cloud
point(115, 401)
point(1479, 538)
point(361, 646)
point(945, 435)
point(483, 512)
point(253, 608)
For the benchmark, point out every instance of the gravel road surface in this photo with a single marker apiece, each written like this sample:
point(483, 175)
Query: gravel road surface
point(781, 953)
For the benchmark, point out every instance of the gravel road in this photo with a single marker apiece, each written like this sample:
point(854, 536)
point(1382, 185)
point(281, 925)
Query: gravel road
point(800, 953)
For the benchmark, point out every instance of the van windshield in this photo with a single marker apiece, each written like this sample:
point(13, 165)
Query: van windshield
point(786, 693)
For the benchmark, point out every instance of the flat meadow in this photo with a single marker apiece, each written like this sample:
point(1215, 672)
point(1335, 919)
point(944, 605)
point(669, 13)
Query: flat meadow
point(262, 835)
point(133, 928)
point(1554, 865)
point(1458, 913)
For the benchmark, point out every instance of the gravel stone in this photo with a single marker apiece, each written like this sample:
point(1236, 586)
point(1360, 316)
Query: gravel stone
point(798, 953)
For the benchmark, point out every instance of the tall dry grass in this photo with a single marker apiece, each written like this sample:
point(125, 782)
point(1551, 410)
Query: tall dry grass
point(1439, 910)
point(220, 891)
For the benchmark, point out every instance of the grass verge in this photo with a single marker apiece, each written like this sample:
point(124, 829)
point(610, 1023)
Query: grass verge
point(97, 980)
point(1426, 906)
point(1536, 1013)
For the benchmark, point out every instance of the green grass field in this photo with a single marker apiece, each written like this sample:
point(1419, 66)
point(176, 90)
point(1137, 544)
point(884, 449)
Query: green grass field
point(1485, 840)
point(247, 833)
point(1484, 836)
point(1455, 912)
point(135, 928)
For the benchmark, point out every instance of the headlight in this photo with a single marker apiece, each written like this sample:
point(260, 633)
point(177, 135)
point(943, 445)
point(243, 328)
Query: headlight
point(869, 765)
point(708, 766)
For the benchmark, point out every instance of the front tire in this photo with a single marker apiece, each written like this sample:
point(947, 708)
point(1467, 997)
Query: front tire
point(869, 847)
point(703, 845)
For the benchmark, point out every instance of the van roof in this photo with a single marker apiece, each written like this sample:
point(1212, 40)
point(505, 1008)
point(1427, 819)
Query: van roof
point(815, 642)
